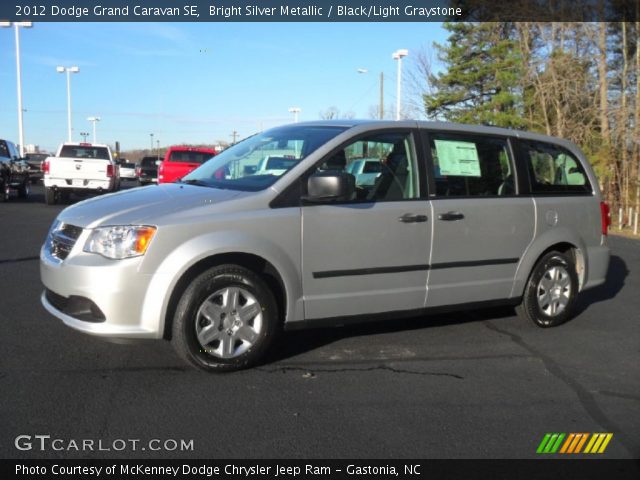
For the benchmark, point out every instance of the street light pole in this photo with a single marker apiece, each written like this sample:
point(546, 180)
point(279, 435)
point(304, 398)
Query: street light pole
point(381, 109)
point(94, 120)
point(381, 95)
point(398, 55)
point(151, 135)
point(17, 26)
point(295, 111)
point(69, 71)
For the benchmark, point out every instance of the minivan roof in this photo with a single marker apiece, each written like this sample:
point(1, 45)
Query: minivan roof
point(444, 126)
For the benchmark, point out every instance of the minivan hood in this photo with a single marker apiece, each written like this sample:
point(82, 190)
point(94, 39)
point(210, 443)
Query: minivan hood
point(140, 205)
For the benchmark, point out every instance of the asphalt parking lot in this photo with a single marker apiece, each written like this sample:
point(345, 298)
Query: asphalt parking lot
point(467, 385)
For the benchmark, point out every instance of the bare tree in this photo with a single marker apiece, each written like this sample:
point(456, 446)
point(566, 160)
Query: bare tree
point(418, 83)
point(333, 112)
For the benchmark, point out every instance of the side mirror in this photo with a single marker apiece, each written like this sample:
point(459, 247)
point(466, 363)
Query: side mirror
point(158, 162)
point(330, 186)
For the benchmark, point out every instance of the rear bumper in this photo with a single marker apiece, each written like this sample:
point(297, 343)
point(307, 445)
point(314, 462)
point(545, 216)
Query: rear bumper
point(598, 258)
point(79, 184)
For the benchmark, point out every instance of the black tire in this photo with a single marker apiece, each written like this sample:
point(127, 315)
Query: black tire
point(227, 325)
point(4, 192)
point(550, 294)
point(50, 197)
point(25, 189)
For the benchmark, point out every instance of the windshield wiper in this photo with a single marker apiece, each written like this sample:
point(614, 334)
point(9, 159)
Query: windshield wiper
point(193, 181)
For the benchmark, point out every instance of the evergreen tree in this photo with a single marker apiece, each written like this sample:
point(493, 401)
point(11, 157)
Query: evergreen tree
point(481, 83)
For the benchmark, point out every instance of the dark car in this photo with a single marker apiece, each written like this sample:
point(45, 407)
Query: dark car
point(148, 170)
point(34, 160)
point(14, 172)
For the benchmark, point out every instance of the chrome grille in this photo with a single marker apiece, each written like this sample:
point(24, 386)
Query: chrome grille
point(63, 239)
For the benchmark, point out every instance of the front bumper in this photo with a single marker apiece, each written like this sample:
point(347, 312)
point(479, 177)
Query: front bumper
point(116, 287)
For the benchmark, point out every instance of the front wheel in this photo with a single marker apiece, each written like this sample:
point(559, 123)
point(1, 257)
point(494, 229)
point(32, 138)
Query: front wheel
point(550, 294)
point(5, 192)
point(226, 319)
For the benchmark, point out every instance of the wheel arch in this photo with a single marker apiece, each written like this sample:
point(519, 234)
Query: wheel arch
point(257, 264)
point(566, 245)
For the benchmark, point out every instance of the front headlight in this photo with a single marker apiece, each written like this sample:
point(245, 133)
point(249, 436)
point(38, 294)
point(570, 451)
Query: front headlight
point(121, 241)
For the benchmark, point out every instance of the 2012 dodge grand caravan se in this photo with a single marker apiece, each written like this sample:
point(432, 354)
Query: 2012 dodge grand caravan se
point(459, 216)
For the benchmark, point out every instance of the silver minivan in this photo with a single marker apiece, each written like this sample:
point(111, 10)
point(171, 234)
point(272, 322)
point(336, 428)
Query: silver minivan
point(219, 262)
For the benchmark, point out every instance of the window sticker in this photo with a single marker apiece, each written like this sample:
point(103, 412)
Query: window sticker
point(458, 158)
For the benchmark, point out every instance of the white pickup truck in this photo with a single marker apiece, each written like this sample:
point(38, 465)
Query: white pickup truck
point(79, 168)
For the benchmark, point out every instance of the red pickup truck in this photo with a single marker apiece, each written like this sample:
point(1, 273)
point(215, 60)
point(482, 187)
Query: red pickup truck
point(180, 160)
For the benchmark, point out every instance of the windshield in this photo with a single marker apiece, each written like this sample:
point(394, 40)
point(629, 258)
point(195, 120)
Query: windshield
point(258, 161)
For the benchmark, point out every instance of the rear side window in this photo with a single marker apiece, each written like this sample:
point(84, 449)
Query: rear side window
point(189, 157)
point(468, 166)
point(552, 169)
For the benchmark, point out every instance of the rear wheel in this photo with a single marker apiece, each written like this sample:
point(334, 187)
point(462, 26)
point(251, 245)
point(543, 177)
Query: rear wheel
point(551, 291)
point(50, 197)
point(25, 189)
point(226, 319)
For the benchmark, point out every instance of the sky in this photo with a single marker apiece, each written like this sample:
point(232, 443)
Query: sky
point(197, 82)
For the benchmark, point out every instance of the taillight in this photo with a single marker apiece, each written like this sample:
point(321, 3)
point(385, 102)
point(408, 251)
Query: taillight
point(45, 166)
point(605, 217)
point(109, 171)
point(138, 171)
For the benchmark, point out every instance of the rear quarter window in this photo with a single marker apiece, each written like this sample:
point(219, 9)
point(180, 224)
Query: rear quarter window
point(554, 170)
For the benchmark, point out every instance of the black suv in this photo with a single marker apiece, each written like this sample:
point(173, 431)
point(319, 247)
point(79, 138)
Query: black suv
point(14, 172)
point(148, 170)
point(35, 165)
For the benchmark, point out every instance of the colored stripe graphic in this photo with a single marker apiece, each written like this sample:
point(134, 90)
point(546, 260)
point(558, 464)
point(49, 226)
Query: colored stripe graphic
point(567, 443)
point(598, 443)
point(573, 443)
point(543, 443)
point(550, 443)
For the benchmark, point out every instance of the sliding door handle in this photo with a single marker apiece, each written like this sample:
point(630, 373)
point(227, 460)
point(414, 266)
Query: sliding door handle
point(450, 216)
point(412, 218)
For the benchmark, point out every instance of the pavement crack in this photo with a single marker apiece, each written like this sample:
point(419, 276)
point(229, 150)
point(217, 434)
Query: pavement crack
point(626, 396)
point(22, 259)
point(585, 397)
point(387, 368)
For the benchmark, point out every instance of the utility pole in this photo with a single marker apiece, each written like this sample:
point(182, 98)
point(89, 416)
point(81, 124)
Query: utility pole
point(234, 135)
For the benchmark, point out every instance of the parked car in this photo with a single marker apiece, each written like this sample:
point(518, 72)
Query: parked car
point(180, 160)
point(147, 170)
point(127, 169)
point(35, 160)
point(80, 168)
point(460, 217)
point(14, 172)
